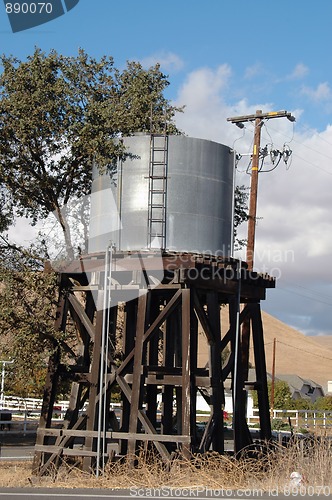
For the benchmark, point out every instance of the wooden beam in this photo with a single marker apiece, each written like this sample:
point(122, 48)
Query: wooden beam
point(185, 428)
point(136, 392)
point(170, 306)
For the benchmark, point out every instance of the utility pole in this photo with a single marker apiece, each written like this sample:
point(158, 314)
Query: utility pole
point(273, 375)
point(258, 118)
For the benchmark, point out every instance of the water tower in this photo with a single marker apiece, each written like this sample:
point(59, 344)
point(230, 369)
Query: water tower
point(158, 271)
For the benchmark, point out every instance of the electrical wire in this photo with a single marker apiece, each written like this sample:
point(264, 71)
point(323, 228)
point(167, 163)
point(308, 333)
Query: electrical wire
point(239, 138)
point(297, 348)
point(311, 149)
point(266, 129)
point(304, 350)
point(315, 292)
point(305, 296)
point(306, 146)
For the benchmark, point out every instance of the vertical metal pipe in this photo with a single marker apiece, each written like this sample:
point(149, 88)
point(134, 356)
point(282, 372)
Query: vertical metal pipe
point(4, 363)
point(237, 334)
point(102, 369)
point(105, 408)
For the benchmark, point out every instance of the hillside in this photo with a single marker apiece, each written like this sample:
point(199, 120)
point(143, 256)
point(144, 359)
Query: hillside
point(296, 353)
point(324, 340)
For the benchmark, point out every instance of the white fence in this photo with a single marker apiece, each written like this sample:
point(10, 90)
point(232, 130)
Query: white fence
point(21, 415)
point(14, 403)
point(300, 419)
point(27, 410)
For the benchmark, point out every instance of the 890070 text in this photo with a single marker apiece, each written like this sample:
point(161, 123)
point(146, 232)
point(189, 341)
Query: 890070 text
point(29, 8)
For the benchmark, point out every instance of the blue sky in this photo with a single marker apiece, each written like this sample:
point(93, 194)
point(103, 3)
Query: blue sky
point(230, 57)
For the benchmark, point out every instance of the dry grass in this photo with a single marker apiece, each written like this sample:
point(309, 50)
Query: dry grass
point(267, 471)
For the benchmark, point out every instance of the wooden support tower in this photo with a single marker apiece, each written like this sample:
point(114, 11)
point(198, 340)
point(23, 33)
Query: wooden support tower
point(137, 340)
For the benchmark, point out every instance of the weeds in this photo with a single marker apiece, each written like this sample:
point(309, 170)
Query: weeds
point(270, 469)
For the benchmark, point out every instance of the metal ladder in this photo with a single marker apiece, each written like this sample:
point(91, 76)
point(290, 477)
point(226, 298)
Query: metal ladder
point(157, 189)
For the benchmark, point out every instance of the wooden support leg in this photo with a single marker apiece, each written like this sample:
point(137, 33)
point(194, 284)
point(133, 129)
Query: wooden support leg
point(47, 407)
point(136, 397)
point(217, 388)
point(128, 346)
point(94, 400)
point(242, 437)
point(193, 371)
point(186, 451)
point(168, 390)
point(153, 347)
point(260, 365)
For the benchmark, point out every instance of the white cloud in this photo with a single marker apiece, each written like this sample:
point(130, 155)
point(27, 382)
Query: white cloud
point(300, 71)
point(252, 71)
point(294, 232)
point(205, 96)
point(168, 61)
point(204, 86)
point(321, 93)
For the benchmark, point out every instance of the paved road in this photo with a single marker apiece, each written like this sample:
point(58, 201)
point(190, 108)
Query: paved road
point(8, 453)
point(199, 494)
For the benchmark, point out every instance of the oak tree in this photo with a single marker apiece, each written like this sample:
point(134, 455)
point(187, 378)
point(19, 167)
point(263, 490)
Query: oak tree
point(60, 114)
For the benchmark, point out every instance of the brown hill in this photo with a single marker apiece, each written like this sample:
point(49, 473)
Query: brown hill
point(296, 353)
point(324, 340)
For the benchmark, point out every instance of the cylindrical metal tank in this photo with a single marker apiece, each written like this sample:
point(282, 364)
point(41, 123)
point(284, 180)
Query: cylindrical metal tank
point(174, 193)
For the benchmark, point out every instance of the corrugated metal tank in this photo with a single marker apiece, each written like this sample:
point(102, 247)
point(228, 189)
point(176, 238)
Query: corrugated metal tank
point(198, 201)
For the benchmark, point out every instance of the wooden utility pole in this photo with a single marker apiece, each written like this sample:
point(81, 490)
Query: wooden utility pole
point(253, 193)
point(273, 375)
point(258, 119)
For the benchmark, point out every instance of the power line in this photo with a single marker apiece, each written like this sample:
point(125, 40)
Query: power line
point(311, 149)
point(316, 292)
point(304, 350)
point(305, 296)
point(294, 347)
point(302, 143)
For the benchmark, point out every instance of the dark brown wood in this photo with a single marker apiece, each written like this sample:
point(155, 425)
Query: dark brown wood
point(260, 366)
point(127, 347)
point(186, 400)
point(94, 396)
point(136, 395)
point(217, 388)
point(159, 346)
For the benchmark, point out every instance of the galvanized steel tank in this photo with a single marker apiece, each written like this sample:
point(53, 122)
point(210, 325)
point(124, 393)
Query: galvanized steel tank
point(196, 208)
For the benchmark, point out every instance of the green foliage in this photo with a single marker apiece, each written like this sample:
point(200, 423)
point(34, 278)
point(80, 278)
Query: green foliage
point(240, 213)
point(27, 311)
point(6, 210)
point(282, 396)
point(278, 425)
point(60, 114)
point(324, 403)
point(302, 404)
